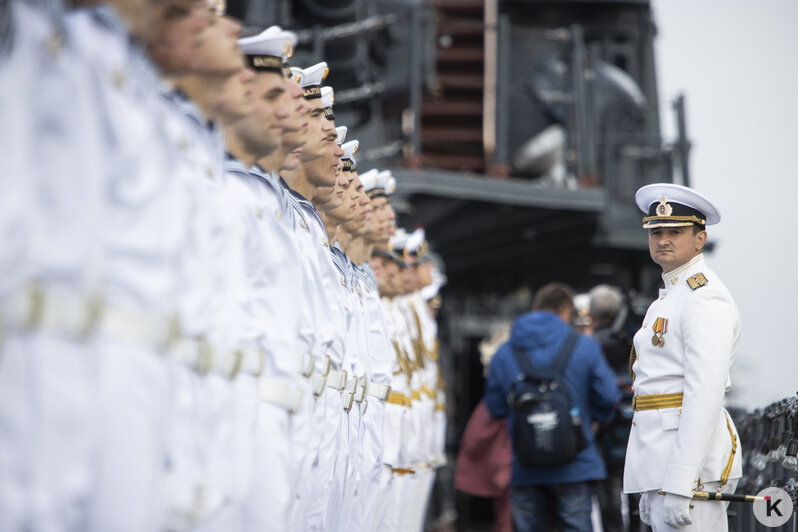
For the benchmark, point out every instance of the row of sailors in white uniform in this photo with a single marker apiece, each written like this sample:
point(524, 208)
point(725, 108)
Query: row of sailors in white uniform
point(175, 354)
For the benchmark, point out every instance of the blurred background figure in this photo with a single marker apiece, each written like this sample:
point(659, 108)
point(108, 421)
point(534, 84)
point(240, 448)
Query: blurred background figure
point(483, 463)
point(613, 326)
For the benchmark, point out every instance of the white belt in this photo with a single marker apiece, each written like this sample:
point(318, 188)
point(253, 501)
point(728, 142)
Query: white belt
point(223, 362)
point(283, 394)
point(252, 361)
point(380, 391)
point(141, 330)
point(336, 379)
point(360, 389)
point(320, 377)
point(203, 358)
point(349, 393)
point(306, 363)
point(55, 310)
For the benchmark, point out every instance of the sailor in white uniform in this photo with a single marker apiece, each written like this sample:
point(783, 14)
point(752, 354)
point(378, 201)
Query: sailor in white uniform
point(682, 438)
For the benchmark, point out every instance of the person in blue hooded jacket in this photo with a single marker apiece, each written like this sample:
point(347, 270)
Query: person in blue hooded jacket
point(565, 491)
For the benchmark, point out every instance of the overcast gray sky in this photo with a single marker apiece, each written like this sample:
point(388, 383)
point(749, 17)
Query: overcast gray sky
point(737, 63)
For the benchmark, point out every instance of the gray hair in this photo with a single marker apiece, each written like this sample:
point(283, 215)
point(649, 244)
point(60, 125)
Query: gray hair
point(605, 303)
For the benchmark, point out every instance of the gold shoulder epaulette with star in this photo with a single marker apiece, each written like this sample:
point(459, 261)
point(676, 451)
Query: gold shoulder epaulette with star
point(697, 281)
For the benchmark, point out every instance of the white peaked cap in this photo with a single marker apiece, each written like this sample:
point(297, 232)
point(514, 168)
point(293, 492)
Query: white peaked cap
point(349, 149)
point(327, 96)
point(399, 240)
point(671, 205)
point(272, 41)
point(298, 74)
point(415, 240)
point(348, 158)
point(390, 186)
point(314, 75)
point(369, 179)
point(438, 281)
point(292, 37)
point(341, 132)
point(269, 49)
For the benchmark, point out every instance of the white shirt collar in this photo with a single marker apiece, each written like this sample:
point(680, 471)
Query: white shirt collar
point(672, 277)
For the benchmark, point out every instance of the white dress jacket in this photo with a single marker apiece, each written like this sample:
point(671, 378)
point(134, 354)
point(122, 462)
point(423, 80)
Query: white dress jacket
point(690, 350)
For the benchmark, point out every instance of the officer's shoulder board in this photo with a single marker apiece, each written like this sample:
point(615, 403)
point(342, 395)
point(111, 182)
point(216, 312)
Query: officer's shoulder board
point(697, 281)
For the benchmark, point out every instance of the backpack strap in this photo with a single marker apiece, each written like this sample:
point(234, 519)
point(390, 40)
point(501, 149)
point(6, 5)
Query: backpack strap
point(567, 349)
point(559, 364)
point(523, 362)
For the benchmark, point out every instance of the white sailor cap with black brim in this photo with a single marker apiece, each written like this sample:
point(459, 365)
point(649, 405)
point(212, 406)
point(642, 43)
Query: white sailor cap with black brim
point(416, 243)
point(398, 243)
point(311, 80)
point(390, 185)
point(327, 100)
point(380, 185)
point(340, 133)
point(671, 205)
point(348, 158)
point(369, 180)
point(268, 50)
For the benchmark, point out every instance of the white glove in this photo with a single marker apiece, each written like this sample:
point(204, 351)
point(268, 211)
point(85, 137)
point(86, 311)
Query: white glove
point(677, 510)
point(645, 509)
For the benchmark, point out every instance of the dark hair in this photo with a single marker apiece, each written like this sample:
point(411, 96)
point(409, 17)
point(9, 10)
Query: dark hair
point(553, 297)
point(698, 228)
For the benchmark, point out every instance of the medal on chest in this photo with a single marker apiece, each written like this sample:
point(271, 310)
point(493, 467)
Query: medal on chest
point(660, 327)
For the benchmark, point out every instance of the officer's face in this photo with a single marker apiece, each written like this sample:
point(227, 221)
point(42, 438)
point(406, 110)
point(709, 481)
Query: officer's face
point(218, 52)
point(296, 122)
point(671, 247)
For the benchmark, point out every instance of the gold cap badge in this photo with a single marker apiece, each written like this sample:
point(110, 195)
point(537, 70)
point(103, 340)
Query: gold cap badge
point(664, 208)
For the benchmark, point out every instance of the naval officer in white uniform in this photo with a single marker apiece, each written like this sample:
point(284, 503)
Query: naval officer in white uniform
point(682, 439)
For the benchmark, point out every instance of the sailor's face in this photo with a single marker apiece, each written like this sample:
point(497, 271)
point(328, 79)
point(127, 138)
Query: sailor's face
point(671, 247)
point(296, 122)
point(218, 51)
point(345, 211)
point(319, 131)
point(259, 127)
point(235, 98)
point(384, 219)
point(174, 48)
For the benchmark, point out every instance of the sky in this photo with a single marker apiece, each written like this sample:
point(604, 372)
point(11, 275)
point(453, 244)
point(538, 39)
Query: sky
point(737, 63)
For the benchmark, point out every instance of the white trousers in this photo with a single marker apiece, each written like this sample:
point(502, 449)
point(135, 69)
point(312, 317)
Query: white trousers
point(273, 478)
point(128, 491)
point(48, 433)
point(707, 516)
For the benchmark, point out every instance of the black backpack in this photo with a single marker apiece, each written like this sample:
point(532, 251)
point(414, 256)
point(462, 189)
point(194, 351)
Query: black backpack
point(547, 427)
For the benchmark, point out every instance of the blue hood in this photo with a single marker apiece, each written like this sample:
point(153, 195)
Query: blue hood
point(538, 333)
